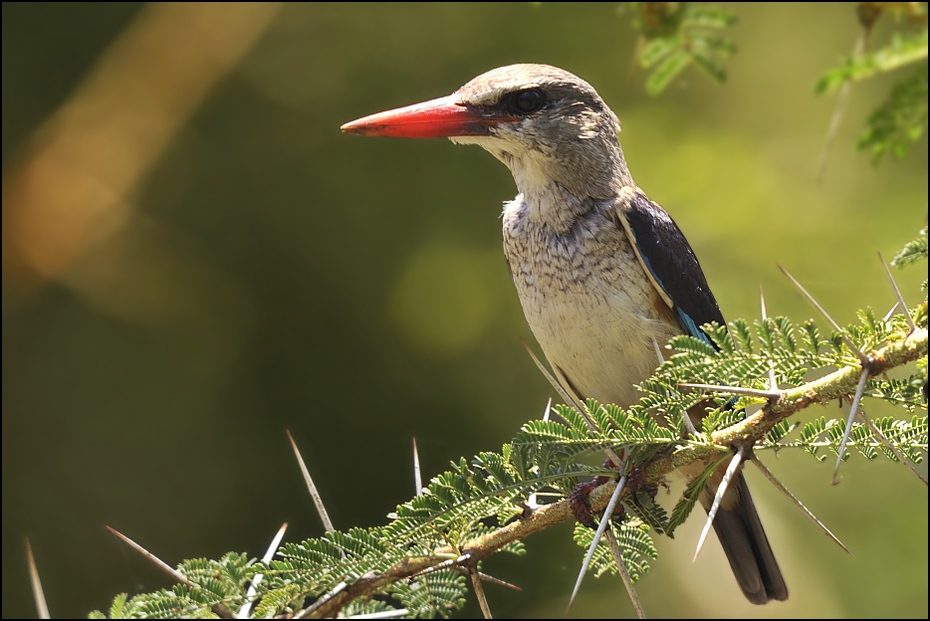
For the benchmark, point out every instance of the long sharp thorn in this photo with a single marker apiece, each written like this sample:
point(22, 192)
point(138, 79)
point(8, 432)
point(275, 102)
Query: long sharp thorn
point(796, 501)
point(601, 527)
point(658, 350)
point(689, 424)
point(218, 609)
point(548, 409)
point(314, 494)
point(479, 592)
point(575, 399)
point(852, 347)
point(773, 385)
point(491, 579)
point(452, 562)
point(324, 599)
point(841, 100)
point(38, 594)
point(275, 543)
point(617, 555)
point(162, 565)
point(561, 390)
point(397, 613)
point(890, 312)
point(898, 296)
point(737, 390)
point(561, 386)
point(849, 425)
point(269, 554)
point(583, 410)
point(834, 125)
point(721, 490)
point(417, 476)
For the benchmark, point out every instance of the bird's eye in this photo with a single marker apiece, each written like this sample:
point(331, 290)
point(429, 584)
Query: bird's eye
point(526, 102)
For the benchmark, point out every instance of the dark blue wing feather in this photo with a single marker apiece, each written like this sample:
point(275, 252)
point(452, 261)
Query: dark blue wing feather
point(672, 263)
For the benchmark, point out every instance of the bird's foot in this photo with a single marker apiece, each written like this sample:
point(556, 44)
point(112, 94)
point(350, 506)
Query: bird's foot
point(637, 484)
point(578, 498)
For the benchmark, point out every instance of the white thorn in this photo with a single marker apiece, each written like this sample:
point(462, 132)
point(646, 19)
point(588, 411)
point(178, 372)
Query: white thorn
point(417, 476)
point(38, 595)
point(795, 500)
point(890, 312)
point(773, 385)
point(898, 296)
point(384, 614)
point(689, 424)
point(269, 553)
point(617, 554)
point(601, 527)
point(556, 384)
point(737, 390)
point(849, 425)
point(563, 388)
point(314, 494)
point(721, 490)
point(324, 599)
point(162, 565)
point(451, 562)
point(658, 349)
point(852, 346)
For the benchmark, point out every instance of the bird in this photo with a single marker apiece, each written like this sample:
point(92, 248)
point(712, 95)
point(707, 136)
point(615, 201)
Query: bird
point(603, 273)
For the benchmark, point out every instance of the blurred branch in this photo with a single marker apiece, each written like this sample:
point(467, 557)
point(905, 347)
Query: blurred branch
point(73, 184)
point(901, 120)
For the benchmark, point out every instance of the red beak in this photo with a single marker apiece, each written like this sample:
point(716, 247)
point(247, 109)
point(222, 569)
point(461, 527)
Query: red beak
point(437, 118)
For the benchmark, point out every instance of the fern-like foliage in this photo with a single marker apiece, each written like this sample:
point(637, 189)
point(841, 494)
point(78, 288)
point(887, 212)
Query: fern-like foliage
point(214, 588)
point(913, 251)
point(413, 566)
point(634, 540)
point(901, 120)
point(676, 35)
point(907, 437)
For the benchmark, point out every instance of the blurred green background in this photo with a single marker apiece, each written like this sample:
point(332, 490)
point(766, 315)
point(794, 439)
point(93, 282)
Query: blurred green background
point(260, 271)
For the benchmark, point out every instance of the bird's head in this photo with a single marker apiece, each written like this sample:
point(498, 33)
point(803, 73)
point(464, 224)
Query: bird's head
point(548, 126)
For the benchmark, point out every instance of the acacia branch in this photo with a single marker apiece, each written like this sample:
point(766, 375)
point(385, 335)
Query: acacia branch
point(835, 385)
point(832, 386)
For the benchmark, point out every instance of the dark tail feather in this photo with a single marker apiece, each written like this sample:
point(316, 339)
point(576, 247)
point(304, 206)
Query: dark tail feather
point(747, 548)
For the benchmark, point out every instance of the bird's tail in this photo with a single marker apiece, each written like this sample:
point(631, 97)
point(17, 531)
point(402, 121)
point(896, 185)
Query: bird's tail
point(743, 540)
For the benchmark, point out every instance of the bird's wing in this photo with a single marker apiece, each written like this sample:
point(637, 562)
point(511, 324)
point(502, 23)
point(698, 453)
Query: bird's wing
point(668, 261)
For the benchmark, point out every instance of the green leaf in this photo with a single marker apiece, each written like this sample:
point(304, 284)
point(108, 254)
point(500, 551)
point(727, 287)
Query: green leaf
point(655, 50)
point(709, 16)
point(900, 121)
point(636, 545)
point(913, 251)
point(904, 49)
point(691, 495)
point(667, 71)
